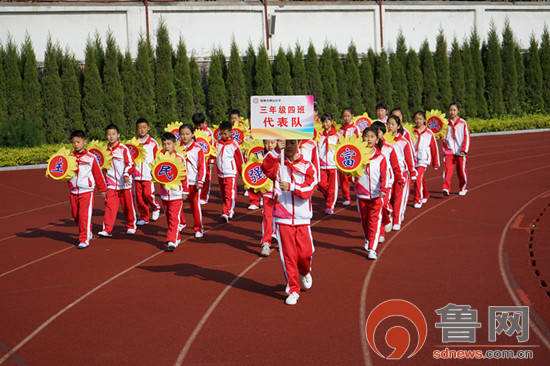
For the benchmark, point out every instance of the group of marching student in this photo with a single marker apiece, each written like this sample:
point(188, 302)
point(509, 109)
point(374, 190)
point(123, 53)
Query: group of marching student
point(296, 167)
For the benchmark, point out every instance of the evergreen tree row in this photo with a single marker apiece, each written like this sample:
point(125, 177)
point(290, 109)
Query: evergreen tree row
point(164, 84)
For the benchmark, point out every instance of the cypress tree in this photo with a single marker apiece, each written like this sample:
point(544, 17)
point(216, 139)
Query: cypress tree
point(457, 73)
point(414, 81)
point(401, 50)
point(249, 67)
point(533, 76)
point(236, 86)
point(54, 108)
point(430, 89)
point(99, 54)
point(368, 90)
point(441, 64)
point(299, 75)
point(545, 67)
point(14, 93)
point(314, 82)
point(199, 99)
point(31, 129)
point(290, 59)
point(371, 56)
point(217, 96)
point(70, 72)
point(469, 107)
point(282, 83)
point(92, 95)
point(477, 64)
point(509, 71)
point(518, 57)
point(383, 79)
point(112, 85)
point(129, 84)
point(263, 79)
point(164, 80)
point(399, 81)
point(494, 74)
point(185, 106)
point(145, 91)
point(341, 80)
point(330, 86)
point(3, 109)
point(354, 80)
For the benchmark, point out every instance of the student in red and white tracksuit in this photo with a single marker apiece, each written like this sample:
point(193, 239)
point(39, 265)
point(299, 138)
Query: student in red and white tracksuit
point(326, 146)
point(348, 129)
point(119, 184)
point(403, 150)
point(200, 123)
point(144, 188)
point(456, 146)
point(295, 183)
point(427, 153)
point(81, 187)
point(393, 175)
point(309, 151)
point(229, 162)
point(172, 198)
point(196, 172)
point(370, 188)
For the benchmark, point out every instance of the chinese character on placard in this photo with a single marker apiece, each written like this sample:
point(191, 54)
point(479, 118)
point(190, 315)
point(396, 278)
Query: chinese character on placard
point(458, 323)
point(347, 157)
point(282, 109)
point(291, 109)
point(263, 109)
point(301, 109)
point(296, 122)
point(282, 122)
point(268, 121)
point(509, 320)
point(272, 109)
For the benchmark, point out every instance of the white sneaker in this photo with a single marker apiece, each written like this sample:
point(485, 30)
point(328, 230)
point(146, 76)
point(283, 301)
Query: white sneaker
point(203, 202)
point(90, 236)
point(253, 207)
point(246, 193)
point(372, 255)
point(366, 245)
point(463, 192)
point(381, 239)
point(266, 250)
point(231, 215)
point(292, 299)
point(306, 281)
point(445, 192)
point(346, 203)
point(181, 227)
point(171, 246)
point(418, 205)
point(199, 234)
point(131, 231)
point(396, 227)
point(141, 222)
point(329, 211)
point(424, 200)
point(388, 227)
point(104, 234)
point(155, 216)
point(225, 217)
point(83, 245)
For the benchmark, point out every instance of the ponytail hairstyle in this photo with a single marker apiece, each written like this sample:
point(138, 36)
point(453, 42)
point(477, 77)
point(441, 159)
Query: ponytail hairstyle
point(400, 128)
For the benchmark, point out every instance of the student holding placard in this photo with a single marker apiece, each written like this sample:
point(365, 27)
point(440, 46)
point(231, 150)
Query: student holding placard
point(348, 129)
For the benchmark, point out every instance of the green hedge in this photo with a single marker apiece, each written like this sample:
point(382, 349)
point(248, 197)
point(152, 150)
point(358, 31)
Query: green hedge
point(12, 156)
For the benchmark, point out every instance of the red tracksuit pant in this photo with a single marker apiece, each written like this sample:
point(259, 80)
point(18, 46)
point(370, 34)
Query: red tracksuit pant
point(400, 194)
point(81, 210)
point(328, 185)
point(253, 197)
point(267, 220)
point(450, 162)
point(228, 190)
point(371, 219)
point(145, 199)
point(194, 204)
point(420, 187)
point(345, 182)
point(205, 191)
point(114, 198)
point(295, 249)
point(173, 211)
point(387, 211)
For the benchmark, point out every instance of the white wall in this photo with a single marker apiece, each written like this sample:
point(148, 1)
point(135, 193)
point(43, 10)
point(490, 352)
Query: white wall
point(204, 26)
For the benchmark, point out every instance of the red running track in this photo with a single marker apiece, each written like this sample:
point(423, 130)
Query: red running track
point(125, 302)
